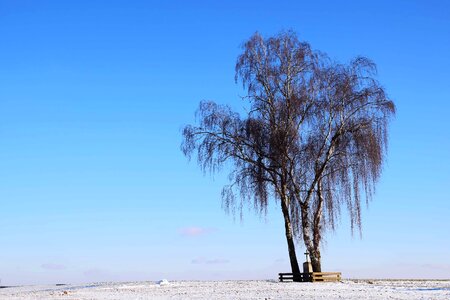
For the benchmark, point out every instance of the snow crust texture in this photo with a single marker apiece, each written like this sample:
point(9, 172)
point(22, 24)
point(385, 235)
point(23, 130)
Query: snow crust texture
point(348, 289)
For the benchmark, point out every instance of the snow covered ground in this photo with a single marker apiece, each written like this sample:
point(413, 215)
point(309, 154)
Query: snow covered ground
point(348, 289)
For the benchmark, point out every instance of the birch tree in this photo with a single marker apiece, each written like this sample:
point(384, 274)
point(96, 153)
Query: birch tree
point(314, 138)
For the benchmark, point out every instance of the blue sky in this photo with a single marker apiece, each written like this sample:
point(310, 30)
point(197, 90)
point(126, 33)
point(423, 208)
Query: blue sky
point(93, 95)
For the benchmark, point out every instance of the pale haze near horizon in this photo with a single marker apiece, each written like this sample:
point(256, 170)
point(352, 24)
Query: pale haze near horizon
point(94, 187)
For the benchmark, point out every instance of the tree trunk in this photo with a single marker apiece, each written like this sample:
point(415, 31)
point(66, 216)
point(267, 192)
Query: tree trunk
point(317, 230)
point(315, 260)
point(314, 252)
point(290, 238)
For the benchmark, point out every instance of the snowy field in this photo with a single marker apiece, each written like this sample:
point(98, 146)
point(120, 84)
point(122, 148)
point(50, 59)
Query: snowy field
point(348, 289)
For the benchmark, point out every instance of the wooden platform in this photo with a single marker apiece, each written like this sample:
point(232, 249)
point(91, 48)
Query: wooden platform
point(311, 277)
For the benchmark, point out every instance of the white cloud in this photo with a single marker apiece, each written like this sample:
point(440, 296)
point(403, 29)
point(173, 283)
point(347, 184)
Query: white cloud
point(51, 266)
point(202, 260)
point(195, 231)
point(217, 261)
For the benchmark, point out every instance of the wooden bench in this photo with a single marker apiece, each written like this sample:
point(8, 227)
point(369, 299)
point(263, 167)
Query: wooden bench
point(325, 276)
point(310, 277)
point(300, 277)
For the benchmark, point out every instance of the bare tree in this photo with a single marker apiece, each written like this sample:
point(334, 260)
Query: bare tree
point(314, 139)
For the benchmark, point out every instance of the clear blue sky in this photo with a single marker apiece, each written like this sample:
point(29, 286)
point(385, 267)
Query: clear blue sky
point(93, 95)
